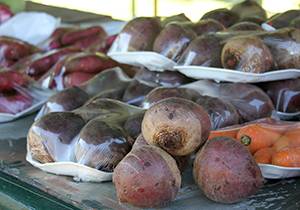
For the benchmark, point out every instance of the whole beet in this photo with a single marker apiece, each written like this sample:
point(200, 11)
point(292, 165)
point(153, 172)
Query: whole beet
point(225, 170)
point(173, 40)
point(205, 50)
point(139, 34)
point(179, 126)
point(225, 16)
point(147, 177)
point(247, 54)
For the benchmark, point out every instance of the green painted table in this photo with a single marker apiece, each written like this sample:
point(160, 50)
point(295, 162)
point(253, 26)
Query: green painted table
point(23, 186)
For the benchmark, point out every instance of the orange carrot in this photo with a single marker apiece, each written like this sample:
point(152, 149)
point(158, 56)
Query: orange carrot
point(264, 155)
point(287, 157)
point(257, 136)
point(290, 139)
point(224, 132)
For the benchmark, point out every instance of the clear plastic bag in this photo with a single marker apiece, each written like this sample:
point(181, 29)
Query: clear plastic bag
point(19, 95)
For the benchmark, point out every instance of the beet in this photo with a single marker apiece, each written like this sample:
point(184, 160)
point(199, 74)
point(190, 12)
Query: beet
point(283, 19)
point(147, 177)
point(66, 100)
point(102, 145)
point(245, 26)
point(207, 26)
point(179, 126)
point(181, 160)
point(51, 136)
point(221, 112)
point(173, 40)
point(133, 124)
point(225, 170)
point(139, 34)
point(205, 50)
point(163, 92)
point(165, 78)
point(225, 16)
point(247, 54)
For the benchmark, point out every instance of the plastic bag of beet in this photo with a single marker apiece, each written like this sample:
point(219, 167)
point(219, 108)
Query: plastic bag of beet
point(19, 95)
point(285, 94)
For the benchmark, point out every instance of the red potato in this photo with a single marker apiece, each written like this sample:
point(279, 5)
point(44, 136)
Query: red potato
point(179, 126)
point(147, 177)
point(225, 170)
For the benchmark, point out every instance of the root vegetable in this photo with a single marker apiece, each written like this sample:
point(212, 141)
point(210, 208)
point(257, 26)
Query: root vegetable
point(147, 177)
point(139, 34)
point(247, 54)
point(177, 125)
point(102, 145)
point(173, 40)
point(225, 16)
point(181, 160)
point(51, 136)
point(225, 170)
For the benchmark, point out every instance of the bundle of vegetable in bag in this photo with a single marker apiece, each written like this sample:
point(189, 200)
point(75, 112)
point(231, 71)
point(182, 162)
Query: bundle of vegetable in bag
point(20, 93)
point(74, 36)
point(37, 64)
point(76, 68)
point(285, 94)
point(13, 49)
point(226, 103)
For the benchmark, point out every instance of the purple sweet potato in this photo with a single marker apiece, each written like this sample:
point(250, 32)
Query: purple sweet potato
point(179, 126)
point(147, 177)
point(225, 170)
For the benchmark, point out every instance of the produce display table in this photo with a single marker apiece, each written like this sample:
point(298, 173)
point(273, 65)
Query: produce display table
point(24, 184)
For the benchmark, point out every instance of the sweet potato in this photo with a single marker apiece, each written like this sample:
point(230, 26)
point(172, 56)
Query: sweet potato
point(16, 102)
point(5, 12)
point(76, 78)
point(225, 170)
point(147, 177)
point(10, 80)
point(177, 125)
point(71, 37)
